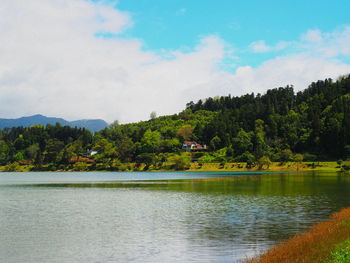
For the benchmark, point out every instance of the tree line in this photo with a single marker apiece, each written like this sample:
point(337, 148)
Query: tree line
point(280, 125)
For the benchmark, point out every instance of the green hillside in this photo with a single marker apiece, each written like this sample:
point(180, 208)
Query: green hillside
point(280, 125)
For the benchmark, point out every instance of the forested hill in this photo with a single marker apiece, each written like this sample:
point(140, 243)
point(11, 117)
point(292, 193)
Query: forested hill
point(316, 120)
point(279, 125)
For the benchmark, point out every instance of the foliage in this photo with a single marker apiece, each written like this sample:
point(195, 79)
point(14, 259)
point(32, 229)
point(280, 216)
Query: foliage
point(280, 125)
point(346, 166)
point(263, 161)
point(286, 155)
point(12, 167)
point(298, 158)
point(207, 158)
point(80, 166)
point(181, 162)
point(341, 253)
point(185, 132)
point(153, 115)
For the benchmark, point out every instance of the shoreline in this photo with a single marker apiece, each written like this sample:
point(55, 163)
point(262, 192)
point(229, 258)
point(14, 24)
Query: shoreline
point(325, 242)
point(327, 166)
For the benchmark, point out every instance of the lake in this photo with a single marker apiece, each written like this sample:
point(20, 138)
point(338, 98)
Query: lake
point(159, 217)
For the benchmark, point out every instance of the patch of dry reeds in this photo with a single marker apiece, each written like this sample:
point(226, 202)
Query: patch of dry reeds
point(314, 246)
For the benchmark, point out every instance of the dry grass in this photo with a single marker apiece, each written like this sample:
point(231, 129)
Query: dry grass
point(314, 246)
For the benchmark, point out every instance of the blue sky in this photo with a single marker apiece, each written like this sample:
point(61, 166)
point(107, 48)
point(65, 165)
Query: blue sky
point(179, 24)
point(121, 60)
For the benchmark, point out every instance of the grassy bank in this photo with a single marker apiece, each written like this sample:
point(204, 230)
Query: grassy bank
point(275, 166)
point(326, 242)
point(206, 167)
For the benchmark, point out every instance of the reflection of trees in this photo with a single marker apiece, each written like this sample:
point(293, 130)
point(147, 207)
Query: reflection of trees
point(247, 210)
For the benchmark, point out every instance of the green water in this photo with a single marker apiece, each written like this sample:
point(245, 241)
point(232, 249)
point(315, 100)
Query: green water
point(159, 217)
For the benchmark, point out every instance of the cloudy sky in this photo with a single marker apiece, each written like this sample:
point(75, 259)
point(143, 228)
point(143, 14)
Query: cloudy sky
point(121, 60)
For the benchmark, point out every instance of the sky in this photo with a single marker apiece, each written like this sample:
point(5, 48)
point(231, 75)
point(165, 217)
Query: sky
point(122, 60)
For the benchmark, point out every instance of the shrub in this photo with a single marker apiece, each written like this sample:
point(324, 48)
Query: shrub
point(206, 159)
point(102, 166)
point(310, 157)
point(12, 167)
point(80, 166)
point(264, 161)
point(181, 162)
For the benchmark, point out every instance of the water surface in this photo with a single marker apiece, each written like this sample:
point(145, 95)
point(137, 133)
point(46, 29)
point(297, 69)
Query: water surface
point(159, 217)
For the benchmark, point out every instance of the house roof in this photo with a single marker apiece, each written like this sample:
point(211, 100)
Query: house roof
point(191, 142)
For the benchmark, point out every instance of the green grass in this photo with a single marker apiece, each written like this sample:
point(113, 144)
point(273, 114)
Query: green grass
point(341, 253)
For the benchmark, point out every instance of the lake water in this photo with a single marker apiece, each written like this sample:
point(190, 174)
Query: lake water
point(159, 217)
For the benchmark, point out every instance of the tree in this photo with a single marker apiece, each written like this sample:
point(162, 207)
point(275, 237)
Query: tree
point(298, 158)
point(206, 158)
point(19, 156)
point(104, 147)
point(150, 141)
point(260, 145)
point(32, 151)
point(4, 152)
point(114, 125)
point(80, 166)
point(171, 145)
point(242, 143)
point(148, 159)
point(71, 150)
point(181, 162)
point(153, 115)
point(215, 143)
point(286, 155)
point(186, 132)
point(125, 147)
point(264, 161)
point(52, 149)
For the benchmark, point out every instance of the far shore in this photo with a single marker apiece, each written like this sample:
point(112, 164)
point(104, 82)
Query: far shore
point(194, 167)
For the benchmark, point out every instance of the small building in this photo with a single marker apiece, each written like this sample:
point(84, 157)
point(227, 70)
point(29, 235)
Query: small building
point(193, 146)
point(89, 153)
point(92, 152)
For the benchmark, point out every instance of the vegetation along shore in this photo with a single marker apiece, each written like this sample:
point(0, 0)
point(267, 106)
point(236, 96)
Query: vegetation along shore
point(326, 242)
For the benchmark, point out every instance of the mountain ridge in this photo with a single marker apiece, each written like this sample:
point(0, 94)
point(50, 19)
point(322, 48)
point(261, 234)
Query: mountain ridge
point(93, 125)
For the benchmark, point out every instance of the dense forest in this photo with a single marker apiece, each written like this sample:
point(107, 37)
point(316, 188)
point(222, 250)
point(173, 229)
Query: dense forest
point(280, 125)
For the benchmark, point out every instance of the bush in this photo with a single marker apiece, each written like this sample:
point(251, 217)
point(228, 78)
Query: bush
point(286, 155)
point(264, 161)
point(12, 167)
point(181, 162)
point(102, 166)
point(80, 166)
point(309, 157)
point(346, 166)
point(298, 158)
point(206, 159)
point(245, 157)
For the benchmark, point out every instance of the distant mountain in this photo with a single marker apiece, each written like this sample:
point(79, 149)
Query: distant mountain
point(92, 125)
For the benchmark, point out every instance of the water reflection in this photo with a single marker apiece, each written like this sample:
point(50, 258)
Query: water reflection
point(192, 220)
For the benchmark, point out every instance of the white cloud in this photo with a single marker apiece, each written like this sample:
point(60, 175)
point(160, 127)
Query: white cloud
point(297, 70)
point(52, 63)
point(260, 46)
point(313, 36)
point(328, 44)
